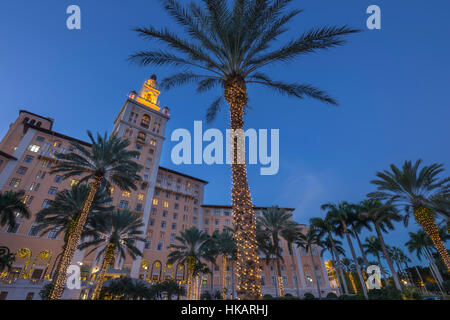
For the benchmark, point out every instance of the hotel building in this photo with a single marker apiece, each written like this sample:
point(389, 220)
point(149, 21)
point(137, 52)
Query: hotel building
point(167, 201)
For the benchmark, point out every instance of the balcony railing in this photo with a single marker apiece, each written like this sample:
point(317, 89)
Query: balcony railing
point(176, 189)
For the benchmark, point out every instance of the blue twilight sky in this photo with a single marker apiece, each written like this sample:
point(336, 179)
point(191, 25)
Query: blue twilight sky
point(392, 85)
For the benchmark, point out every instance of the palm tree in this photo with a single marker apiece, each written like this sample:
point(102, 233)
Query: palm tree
point(357, 223)
point(193, 248)
point(6, 258)
point(372, 246)
point(382, 217)
point(333, 246)
point(291, 235)
point(62, 213)
point(106, 161)
point(274, 222)
point(228, 48)
point(411, 187)
point(225, 245)
point(12, 205)
point(308, 241)
point(169, 288)
point(116, 234)
point(126, 288)
point(339, 214)
point(325, 227)
point(422, 245)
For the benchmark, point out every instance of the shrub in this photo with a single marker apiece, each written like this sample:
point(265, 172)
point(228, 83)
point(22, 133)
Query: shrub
point(331, 295)
point(267, 297)
point(412, 293)
point(206, 296)
point(309, 296)
point(385, 294)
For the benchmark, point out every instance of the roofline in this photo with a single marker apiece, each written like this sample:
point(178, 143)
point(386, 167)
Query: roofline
point(183, 174)
point(8, 156)
point(37, 115)
point(230, 207)
point(59, 135)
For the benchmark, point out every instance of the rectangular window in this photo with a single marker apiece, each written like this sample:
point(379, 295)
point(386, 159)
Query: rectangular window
point(29, 200)
point(28, 159)
point(33, 231)
point(139, 207)
point(52, 234)
point(175, 216)
point(22, 170)
point(206, 221)
point(174, 226)
point(14, 183)
point(152, 222)
point(155, 201)
point(123, 204)
point(166, 204)
point(149, 161)
point(75, 182)
point(46, 203)
point(40, 138)
point(164, 214)
point(141, 196)
point(126, 194)
point(36, 189)
point(57, 179)
point(34, 148)
point(13, 228)
point(163, 224)
point(52, 190)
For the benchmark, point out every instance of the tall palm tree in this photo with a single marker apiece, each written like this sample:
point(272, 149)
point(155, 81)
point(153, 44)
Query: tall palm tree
point(308, 241)
point(333, 246)
point(12, 205)
point(422, 245)
point(382, 217)
point(62, 213)
point(115, 234)
point(324, 227)
point(225, 245)
point(414, 188)
point(372, 246)
point(193, 248)
point(273, 222)
point(229, 48)
point(106, 161)
point(339, 215)
point(357, 223)
point(291, 236)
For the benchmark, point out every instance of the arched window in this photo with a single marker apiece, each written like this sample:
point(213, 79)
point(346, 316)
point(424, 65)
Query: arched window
point(145, 122)
point(32, 122)
point(26, 120)
point(38, 124)
point(141, 137)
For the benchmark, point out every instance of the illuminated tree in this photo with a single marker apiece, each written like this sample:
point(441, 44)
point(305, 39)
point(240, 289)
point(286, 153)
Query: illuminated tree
point(228, 48)
point(115, 234)
point(107, 161)
point(409, 187)
point(193, 248)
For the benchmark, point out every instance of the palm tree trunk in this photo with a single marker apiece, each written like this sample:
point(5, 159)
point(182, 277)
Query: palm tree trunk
point(358, 268)
point(333, 261)
point(315, 275)
point(277, 260)
point(366, 262)
point(339, 265)
point(430, 259)
point(247, 260)
point(232, 278)
point(425, 218)
point(294, 266)
point(69, 249)
point(107, 260)
point(190, 270)
point(382, 271)
point(224, 277)
point(212, 277)
point(388, 259)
